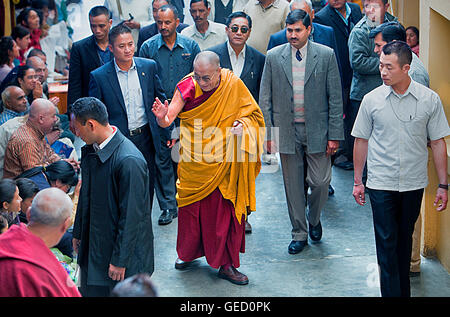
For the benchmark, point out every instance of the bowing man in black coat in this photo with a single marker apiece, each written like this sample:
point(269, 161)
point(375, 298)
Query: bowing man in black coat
point(89, 53)
point(112, 233)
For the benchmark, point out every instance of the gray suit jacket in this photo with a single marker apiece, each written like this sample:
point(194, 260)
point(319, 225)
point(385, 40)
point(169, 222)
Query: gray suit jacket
point(323, 98)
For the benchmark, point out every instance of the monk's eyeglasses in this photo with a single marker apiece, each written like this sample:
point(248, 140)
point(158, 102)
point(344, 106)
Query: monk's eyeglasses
point(235, 28)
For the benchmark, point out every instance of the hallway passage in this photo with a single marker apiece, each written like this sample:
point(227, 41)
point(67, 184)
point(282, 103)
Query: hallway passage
point(342, 264)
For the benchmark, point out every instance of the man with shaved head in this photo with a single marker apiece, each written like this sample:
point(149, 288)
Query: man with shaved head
point(221, 134)
point(28, 147)
point(27, 266)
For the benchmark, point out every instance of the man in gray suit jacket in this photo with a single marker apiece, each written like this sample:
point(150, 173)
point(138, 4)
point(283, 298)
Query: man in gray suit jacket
point(301, 96)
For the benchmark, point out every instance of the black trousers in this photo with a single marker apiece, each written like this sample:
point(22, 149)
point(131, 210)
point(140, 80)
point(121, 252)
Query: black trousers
point(144, 143)
point(394, 216)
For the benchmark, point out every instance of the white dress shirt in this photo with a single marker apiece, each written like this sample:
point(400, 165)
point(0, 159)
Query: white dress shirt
point(237, 62)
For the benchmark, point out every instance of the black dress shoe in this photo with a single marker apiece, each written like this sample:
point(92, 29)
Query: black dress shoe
point(296, 246)
point(315, 232)
point(166, 216)
point(330, 190)
point(180, 264)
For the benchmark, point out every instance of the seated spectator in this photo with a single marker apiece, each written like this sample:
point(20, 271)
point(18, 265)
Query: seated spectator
point(59, 174)
point(29, 18)
point(14, 102)
point(3, 224)
point(41, 70)
point(9, 201)
point(8, 52)
point(27, 266)
point(27, 191)
point(27, 147)
point(7, 129)
point(21, 35)
point(412, 39)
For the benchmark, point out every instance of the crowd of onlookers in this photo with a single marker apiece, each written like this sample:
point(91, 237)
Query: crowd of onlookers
point(37, 148)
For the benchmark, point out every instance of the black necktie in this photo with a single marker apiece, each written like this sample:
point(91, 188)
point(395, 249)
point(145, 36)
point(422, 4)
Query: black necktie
point(298, 56)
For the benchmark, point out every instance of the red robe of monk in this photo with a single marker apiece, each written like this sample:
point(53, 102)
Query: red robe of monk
point(29, 269)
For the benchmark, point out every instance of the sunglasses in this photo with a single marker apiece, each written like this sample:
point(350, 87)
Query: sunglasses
point(235, 28)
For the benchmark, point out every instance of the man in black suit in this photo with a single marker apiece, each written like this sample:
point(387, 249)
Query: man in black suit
point(245, 61)
point(89, 54)
point(128, 86)
point(342, 16)
point(150, 30)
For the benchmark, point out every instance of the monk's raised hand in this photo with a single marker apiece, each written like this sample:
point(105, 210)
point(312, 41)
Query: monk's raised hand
point(160, 109)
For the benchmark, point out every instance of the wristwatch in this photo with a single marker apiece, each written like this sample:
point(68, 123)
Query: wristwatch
point(443, 186)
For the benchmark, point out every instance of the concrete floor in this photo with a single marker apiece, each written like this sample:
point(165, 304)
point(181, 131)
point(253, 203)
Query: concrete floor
point(343, 264)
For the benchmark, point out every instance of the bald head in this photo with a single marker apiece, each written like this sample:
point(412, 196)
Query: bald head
point(207, 58)
point(51, 207)
point(43, 114)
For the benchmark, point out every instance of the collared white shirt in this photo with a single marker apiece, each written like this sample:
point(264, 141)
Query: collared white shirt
point(237, 62)
point(214, 35)
point(98, 147)
point(132, 96)
point(397, 128)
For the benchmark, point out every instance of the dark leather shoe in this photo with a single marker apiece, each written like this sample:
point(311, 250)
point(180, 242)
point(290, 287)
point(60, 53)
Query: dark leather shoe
point(180, 264)
point(166, 216)
point(296, 246)
point(315, 232)
point(248, 227)
point(330, 190)
point(233, 275)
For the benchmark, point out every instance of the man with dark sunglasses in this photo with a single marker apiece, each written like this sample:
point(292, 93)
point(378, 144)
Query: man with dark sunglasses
point(245, 61)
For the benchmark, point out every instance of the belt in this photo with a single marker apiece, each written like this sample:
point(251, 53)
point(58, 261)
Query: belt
point(138, 130)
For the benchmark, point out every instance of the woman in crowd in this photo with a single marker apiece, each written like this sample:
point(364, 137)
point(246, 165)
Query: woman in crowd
point(21, 35)
point(9, 201)
point(27, 80)
point(9, 51)
point(412, 38)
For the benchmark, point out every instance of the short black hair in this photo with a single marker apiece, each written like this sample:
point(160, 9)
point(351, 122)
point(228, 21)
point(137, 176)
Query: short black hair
point(390, 31)
point(169, 7)
point(401, 49)
point(86, 108)
point(205, 2)
point(99, 10)
point(20, 32)
point(116, 31)
point(36, 52)
point(7, 191)
point(22, 70)
point(298, 15)
point(238, 14)
point(27, 188)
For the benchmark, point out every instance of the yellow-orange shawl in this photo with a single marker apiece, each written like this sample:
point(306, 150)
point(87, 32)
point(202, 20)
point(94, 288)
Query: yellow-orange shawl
point(211, 156)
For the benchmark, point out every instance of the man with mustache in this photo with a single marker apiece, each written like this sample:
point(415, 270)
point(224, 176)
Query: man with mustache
point(205, 32)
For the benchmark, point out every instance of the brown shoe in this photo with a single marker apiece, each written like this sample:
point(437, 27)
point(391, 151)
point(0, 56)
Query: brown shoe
point(248, 227)
point(233, 275)
point(180, 264)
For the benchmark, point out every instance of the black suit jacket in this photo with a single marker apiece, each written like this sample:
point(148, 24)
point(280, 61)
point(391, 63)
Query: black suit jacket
point(83, 59)
point(105, 86)
point(253, 66)
point(328, 16)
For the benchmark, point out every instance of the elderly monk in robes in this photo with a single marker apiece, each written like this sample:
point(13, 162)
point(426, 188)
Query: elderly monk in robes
point(221, 135)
